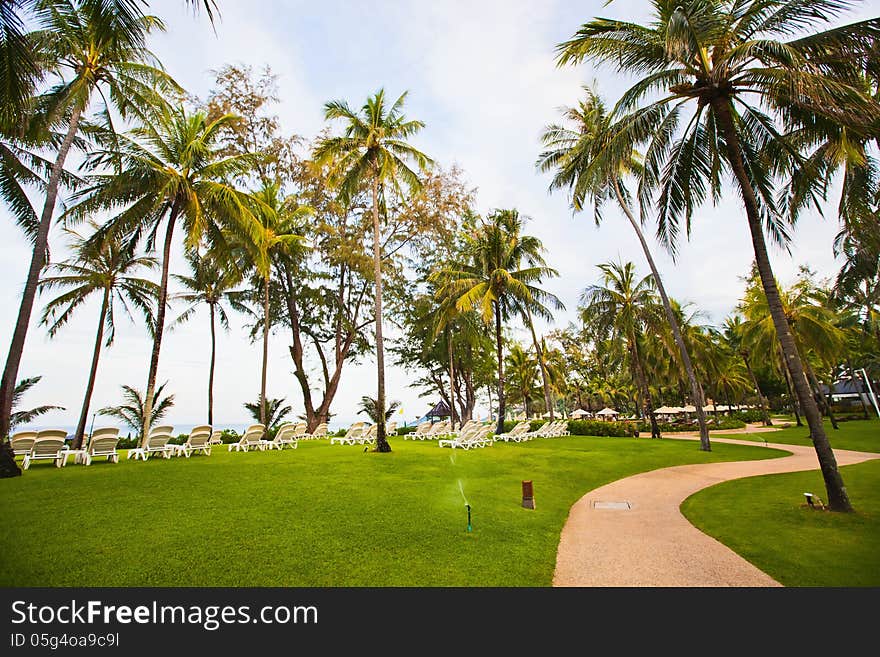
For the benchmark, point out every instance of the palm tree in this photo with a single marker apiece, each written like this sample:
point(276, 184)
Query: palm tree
point(370, 408)
point(20, 416)
point(277, 231)
point(108, 267)
point(497, 279)
point(93, 47)
point(593, 173)
point(522, 371)
point(724, 58)
point(209, 284)
point(374, 150)
point(268, 412)
point(170, 170)
point(733, 330)
point(134, 407)
point(625, 306)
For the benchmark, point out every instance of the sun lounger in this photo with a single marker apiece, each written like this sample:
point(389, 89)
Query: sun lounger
point(22, 442)
point(157, 443)
point(354, 432)
point(199, 440)
point(50, 448)
point(515, 433)
point(420, 432)
point(439, 430)
point(477, 437)
point(367, 437)
point(287, 436)
point(252, 438)
point(216, 438)
point(319, 432)
point(102, 442)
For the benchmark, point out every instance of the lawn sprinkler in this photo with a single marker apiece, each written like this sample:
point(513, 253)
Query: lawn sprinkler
point(469, 516)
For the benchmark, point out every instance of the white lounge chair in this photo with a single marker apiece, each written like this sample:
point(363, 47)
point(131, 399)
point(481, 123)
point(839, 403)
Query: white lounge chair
point(478, 437)
point(46, 449)
point(157, 443)
point(199, 440)
point(102, 442)
point(515, 433)
point(439, 430)
point(22, 442)
point(319, 432)
point(367, 437)
point(252, 438)
point(457, 440)
point(287, 436)
point(420, 431)
point(354, 432)
point(216, 438)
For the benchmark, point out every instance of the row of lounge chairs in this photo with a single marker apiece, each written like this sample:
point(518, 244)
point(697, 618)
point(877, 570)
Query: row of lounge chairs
point(362, 433)
point(50, 445)
point(472, 434)
point(520, 432)
point(288, 435)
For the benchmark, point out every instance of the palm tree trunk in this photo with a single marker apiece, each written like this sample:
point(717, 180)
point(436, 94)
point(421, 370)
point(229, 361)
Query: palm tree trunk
point(211, 369)
point(90, 386)
point(160, 325)
point(795, 407)
point(540, 352)
point(263, 417)
point(451, 377)
point(38, 261)
point(381, 442)
point(820, 398)
point(696, 388)
point(761, 400)
point(838, 500)
point(647, 402)
point(499, 348)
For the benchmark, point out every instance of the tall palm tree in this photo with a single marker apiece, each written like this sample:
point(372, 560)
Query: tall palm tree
point(277, 233)
point(729, 60)
point(625, 306)
point(733, 333)
point(170, 170)
point(373, 149)
point(210, 284)
point(109, 268)
point(496, 279)
point(593, 173)
point(522, 370)
point(93, 47)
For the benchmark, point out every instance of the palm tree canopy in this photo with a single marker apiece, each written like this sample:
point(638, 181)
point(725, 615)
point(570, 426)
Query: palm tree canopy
point(370, 407)
point(721, 57)
point(20, 417)
point(108, 265)
point(622, 305)
point(373, 145)
point(131, 411)
point(276, 411)
point(212, 283)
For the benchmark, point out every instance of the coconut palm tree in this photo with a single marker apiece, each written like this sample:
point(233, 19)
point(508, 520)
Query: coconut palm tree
point(625, 306)
point(211, 284)
point(497, 278)
point(594, 174)
point(370, 407)
point(93, 48)
point(268, 412)
point(733, 334)
point(373, 150)
point(108, 268)
point(729, 61)
point(131, 412)
point(522, 371)
point(166, 171)
point(276, 233)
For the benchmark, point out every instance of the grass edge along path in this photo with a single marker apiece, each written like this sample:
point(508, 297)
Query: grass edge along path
point(763, 520)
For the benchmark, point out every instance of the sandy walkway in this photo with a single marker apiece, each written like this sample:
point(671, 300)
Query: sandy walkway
point(651, 543)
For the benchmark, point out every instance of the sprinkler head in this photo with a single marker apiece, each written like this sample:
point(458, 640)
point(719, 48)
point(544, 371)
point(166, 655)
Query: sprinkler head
point(469, 516)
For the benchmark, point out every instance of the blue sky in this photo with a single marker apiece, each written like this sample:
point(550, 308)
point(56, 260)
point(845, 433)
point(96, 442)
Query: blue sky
point(481, 75)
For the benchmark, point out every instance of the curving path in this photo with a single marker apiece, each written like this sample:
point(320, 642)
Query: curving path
point(652, 543)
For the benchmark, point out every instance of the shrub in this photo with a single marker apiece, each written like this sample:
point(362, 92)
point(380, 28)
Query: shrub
point(229, 436)
point(751, 415)
point(621, 429)
point(402, 431)
point(723, 422)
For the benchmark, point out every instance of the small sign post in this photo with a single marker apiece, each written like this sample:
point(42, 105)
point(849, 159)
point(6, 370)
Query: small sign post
point(528, 495)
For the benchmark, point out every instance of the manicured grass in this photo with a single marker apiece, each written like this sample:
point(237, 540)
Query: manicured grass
point(318, 516)
point(761, 519)
point(858, 435)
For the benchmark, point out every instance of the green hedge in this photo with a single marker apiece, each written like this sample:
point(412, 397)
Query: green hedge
point(723, 422)
point(603, 428)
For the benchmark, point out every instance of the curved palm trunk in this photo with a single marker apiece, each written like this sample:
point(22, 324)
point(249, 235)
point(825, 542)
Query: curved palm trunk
point(93, 373)
point(381, 442)
point(761, 399)
point(795, 406)
point(548, 402)
point(159, 328)
point(820, 398)
point(452, 416)
point(211, 368)
point(838, 499)
point(38, 261)
point(852, 376)
point(647, 401)
point(696, 388)
point(499, 347)
point(263, 414)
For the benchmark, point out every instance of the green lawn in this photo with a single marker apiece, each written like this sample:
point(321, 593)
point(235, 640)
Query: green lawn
point(318, 516)
point(858, 435)
point(761, 519)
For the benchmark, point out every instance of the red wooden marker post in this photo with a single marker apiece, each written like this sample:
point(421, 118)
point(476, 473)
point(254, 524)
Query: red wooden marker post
point(528, 495)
